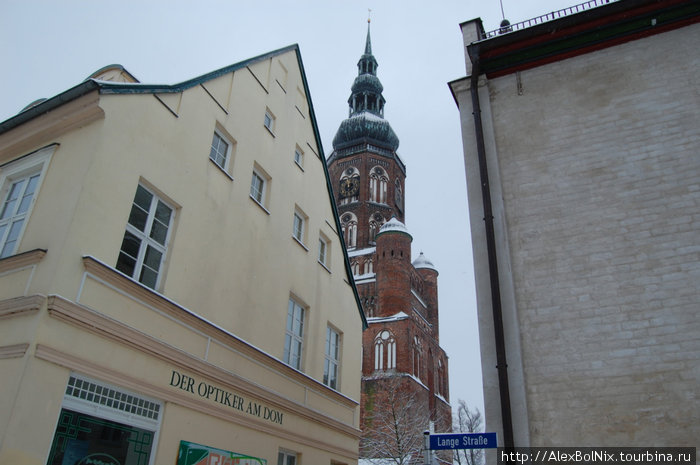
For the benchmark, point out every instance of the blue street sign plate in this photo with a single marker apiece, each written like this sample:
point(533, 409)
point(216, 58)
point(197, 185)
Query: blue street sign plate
point(463, 441)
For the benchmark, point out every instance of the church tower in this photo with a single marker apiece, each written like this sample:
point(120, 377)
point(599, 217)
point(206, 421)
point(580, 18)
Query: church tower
point(401, 349)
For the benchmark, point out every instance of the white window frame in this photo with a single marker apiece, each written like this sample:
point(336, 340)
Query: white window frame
point(226, 156)
point(324, 246)
point(257, 187)
point(299, 226)
point(299, 157)
point(22, 169)
point(269, 121)
point(98, 408)
point(284, 456)
point(145, 238)
point(331, 364)
point(260, 194)
point(294, 334)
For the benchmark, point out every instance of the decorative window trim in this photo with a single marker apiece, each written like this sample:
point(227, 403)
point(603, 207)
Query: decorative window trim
point(384, 338)
point(25, 167)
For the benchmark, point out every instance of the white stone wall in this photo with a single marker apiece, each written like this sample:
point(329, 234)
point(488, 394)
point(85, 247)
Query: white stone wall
point(599, 163)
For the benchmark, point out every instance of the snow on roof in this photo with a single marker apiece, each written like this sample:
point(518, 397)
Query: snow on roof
point(358, 252)
point(393, 225)
point(423, 262)
point(368, 115)
point(384, 319)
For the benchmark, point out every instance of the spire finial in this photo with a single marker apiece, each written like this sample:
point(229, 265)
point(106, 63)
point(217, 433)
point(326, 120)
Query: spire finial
point(368, 44)
point(369, 15)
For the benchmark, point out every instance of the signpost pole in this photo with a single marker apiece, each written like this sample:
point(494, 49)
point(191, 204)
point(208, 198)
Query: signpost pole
point(426, 448)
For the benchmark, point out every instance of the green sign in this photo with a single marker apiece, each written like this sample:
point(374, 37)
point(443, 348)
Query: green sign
point(197, 454)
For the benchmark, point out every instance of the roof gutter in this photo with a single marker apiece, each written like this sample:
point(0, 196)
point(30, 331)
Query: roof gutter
point(48, 105)
point(502, 365)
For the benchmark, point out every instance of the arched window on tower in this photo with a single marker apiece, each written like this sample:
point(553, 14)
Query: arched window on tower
point(349, 224)
point(417, 357)
point(375, 222)
point(384, 351)
point(369, 265)
point(378, 181)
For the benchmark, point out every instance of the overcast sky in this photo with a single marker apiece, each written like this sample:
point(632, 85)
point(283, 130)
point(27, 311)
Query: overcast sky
point(49, 46)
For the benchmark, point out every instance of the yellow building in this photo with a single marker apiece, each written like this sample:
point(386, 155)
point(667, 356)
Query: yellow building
point(173, 287)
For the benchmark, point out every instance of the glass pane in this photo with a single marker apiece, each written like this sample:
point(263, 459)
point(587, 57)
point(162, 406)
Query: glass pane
point(163, 213)
point(256, 187)
point(291, 460)
point(159, 232)
point(287, 347)
point(148, 277)
point(8, 209)
point(28, 194)
point(290, 315)
point(159, 229)
point(131, 245)
point(138, 217)
point(152, 258)
point(143, 198)
point(82, 438)
point(3, 228)
point(280, 458)
point(7, 250)
point(14, 230)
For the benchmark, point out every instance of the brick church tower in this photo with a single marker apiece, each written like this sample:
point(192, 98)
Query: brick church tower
point(401, 347)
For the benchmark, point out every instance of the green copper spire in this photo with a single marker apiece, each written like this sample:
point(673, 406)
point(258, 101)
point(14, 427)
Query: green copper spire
point(368, 44)
point(366, 116)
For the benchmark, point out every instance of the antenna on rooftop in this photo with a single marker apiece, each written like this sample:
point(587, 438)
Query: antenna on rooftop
point(505, 24)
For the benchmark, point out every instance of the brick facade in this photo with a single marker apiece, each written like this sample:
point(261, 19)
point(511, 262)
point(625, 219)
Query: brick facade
point(401, 348)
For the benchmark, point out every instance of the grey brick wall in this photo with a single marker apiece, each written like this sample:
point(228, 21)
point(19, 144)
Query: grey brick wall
point(599, 162)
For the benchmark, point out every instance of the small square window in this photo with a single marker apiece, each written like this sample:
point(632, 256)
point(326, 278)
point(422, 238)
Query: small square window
point(323, 251)
point(299, 226)
point(220, 150)
point(269, 121)
point(260, 186)
point(257, 188)
point(299, 157)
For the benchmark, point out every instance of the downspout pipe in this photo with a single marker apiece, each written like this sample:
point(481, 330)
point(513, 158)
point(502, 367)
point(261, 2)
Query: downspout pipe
point(502, 364)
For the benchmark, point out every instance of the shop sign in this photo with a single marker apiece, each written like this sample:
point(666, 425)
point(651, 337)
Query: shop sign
point(197, 454)
point(229, 399)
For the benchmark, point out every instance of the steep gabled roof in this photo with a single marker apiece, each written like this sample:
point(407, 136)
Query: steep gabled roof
point(110, 87)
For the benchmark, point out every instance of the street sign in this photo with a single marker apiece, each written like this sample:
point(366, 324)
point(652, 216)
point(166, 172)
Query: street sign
point(463, 441)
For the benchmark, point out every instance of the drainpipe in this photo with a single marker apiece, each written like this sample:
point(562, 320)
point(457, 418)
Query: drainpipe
point(502, 365)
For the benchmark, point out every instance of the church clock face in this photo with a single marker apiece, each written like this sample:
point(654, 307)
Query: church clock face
point(349, 186)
